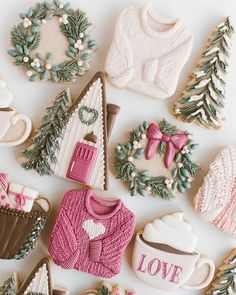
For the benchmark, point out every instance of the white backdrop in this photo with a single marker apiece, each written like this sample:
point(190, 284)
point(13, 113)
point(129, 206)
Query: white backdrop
point(32, 98)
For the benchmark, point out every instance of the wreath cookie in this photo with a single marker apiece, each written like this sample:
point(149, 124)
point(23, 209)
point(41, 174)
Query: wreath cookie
point(148, 141)
point(75, 39)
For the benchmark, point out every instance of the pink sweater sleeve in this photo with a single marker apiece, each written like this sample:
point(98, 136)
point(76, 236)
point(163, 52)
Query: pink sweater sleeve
point(113, 246)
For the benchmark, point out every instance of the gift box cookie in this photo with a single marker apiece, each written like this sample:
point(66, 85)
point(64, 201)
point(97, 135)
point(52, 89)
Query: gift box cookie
point(73, 137)
point(165, 255)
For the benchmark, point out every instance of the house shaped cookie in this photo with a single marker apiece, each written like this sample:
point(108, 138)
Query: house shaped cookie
point(72, 139)
point(39, 281)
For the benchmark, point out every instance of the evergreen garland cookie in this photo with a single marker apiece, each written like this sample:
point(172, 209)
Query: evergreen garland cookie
point(203, 99)
point(107, 289)
point(73, 25)
point(224, 283)
point(176, 147)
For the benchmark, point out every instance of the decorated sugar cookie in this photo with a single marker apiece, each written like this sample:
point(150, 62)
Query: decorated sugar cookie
point(215, 200)
point(91, 233)
point(165, 255)
point(108, 289)
point(224, 282)
point(202, 101)
point(14, 128)
point(39, 282)
point(23, 215)
point(148, 52)
point(72, 139)
point(152, 147)
point(53, 42)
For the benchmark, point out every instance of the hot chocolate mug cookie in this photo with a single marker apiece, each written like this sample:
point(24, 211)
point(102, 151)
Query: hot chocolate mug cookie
point(165, 255)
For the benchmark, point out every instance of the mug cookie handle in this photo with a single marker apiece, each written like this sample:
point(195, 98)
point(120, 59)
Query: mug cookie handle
point(27, 131)
point(201, 261)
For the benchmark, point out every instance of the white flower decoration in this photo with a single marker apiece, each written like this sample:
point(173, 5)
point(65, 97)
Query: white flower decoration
point(180, 165)
point(64, 19)
point(29, 73)
point(27, 22)
point(81, 35)
point(130, 159)
point(148, 188)
point(78, 44)
point(177, 110)
point(48, 66)
point(35, 63)
point(80, 64)
point(60, 6)
point(168, 182)
point(44, 21)
point(143, 136)
point(25, 59)
point(133, 174)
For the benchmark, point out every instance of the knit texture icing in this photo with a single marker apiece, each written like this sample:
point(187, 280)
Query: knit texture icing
point(216, 198)
point(91, 234)
point(148, 52)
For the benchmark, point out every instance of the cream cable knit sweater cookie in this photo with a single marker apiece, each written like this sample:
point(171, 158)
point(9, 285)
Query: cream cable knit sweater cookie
point(216, 198)
point(147, 52)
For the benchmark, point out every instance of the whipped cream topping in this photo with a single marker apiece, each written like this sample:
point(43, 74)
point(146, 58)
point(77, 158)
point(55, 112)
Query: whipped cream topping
point(171, 230)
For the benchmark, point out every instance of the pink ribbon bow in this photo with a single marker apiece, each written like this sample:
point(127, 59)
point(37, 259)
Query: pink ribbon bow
point(20, 199)
point(155, 136)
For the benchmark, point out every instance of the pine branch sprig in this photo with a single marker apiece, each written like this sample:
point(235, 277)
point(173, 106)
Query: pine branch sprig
point(45, 143)
point(9, 286)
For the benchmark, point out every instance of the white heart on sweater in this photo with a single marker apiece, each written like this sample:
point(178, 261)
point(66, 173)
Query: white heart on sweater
point(93, 229)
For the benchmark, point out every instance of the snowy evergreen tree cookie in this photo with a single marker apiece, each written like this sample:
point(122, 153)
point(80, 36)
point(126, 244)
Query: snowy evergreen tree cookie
point(204, 96)
point(53, 42)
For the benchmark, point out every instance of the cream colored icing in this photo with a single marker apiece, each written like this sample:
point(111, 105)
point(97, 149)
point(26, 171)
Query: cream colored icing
point(76, 131)
point(173, 231)
point(40, 282)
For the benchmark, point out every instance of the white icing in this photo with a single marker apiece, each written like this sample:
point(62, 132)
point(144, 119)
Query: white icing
point(76, 131)
point(6, 96)
point(40, 282)
point(92, 229)
point(171, 230)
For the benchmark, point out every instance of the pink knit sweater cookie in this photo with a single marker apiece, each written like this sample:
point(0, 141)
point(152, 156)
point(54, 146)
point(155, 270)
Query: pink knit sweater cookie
point(91, 234)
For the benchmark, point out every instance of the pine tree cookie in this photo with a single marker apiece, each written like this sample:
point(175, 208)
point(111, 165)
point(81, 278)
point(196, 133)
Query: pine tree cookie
point(139, 161)
point(72, 139)
point(203, 99)
point(225, 279)
point(53, 42)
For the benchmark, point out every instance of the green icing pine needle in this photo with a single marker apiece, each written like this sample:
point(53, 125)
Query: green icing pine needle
point(9, 286)
point(203, 99)
point(41, 154)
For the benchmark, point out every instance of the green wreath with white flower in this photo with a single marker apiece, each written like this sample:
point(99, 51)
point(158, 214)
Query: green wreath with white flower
point(165, 139)
point(25, 38)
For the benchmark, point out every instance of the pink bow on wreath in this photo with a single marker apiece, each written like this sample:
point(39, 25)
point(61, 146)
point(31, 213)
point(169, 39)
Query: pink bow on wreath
point(20, 199)
point(155, 136)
